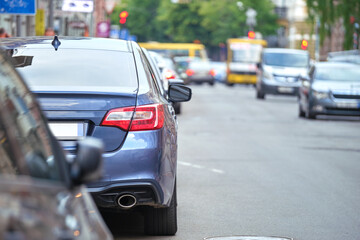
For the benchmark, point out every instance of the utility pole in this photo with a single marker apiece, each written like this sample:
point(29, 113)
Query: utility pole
point(51, 14)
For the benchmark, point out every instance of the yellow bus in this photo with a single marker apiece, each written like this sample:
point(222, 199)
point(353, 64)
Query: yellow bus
point(177, 49)
point(242, 59)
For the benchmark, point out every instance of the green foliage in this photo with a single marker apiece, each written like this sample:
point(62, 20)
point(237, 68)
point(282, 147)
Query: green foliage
point(210, 21)
point(330, 11)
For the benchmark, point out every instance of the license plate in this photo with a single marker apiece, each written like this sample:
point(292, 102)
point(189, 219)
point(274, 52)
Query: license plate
point(68, 131)
point(285, 89)
point(348, 105)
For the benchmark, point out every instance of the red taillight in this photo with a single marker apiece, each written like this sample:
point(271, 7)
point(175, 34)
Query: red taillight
point(212, 72)
point(145, 117)
point(189, 72)
point(169, 74)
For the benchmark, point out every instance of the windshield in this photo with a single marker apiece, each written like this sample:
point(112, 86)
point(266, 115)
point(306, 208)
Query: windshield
point(25, 146)
point(338, 73)
point(286, 60)
point(245, 52)
point(52, 69)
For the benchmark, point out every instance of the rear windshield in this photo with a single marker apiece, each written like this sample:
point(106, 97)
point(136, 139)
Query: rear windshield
point(338, 73)
point(77, 70)
point(286, 60)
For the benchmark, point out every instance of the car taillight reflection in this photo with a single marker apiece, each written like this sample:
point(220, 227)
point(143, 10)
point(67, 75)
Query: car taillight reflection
point(189, 72)
point(212, 72)
point(145, 117)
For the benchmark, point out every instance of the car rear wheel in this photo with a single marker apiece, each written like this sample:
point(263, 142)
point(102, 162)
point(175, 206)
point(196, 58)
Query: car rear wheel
point(177, 108)
point(162, 221)
point(310, 114)
point(260, 95)
point(301, 112)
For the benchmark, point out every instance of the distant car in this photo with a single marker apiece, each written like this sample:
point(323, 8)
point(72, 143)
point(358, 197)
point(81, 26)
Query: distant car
point(107, 89)
point(195, 70)
point(279, 71)
point(166, 73)
point(220, 71)
point(331, 88)
point(351, 56)
point(41, 191)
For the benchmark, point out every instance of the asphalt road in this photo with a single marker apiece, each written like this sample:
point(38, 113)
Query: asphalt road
point(252, 167)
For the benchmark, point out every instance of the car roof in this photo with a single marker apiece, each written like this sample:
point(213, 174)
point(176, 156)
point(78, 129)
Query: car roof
point(285, 50)
point(67, 43)
point(336, 65)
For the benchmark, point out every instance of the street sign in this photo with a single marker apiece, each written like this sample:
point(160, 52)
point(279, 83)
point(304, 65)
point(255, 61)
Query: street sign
point(40, 22)
point(103, 29)
point(25, 7)
point(124, 34)
point(132, 38)
point(78, 6)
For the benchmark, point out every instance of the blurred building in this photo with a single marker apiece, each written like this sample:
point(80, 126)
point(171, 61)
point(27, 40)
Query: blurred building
point(295, 27)
point(51, 13)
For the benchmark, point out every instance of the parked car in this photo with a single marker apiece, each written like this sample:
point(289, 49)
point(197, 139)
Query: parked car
point(352, 56)
point(279, 71)
point(166, 73)
point(195, 70)
point(41, 191)
point(330, 88)
point(107, 89)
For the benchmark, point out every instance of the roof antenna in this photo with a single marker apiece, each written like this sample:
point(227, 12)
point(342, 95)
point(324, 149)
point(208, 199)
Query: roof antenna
point(56, 43)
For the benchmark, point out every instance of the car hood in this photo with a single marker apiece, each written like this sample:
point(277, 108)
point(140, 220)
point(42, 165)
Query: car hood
point(337, 86)
point(286, 71)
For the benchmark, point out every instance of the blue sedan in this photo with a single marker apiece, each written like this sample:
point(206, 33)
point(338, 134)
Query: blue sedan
point(106, 88)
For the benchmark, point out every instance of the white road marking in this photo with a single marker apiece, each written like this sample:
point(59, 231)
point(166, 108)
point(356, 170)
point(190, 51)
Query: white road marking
point(214, 170)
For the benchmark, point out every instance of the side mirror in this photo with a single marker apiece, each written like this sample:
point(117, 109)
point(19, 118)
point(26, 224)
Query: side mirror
point(179, 93)
point(258, 65)
point(87, 164)
point(305, 80)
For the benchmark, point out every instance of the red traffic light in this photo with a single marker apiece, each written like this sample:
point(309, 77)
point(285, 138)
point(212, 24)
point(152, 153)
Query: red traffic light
point(304, 44)
point(251, 34)
point(124, 14)
point(122, 20)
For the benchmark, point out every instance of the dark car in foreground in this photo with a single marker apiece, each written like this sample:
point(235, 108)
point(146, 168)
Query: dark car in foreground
point(107, 89)
point(279, 71)
point(330, 88)
point(41, 191)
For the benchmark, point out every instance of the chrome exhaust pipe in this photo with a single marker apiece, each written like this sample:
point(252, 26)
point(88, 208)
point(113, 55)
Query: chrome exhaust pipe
point(126, 201)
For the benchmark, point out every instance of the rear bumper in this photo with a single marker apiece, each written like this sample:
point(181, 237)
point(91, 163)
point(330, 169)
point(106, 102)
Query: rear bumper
point(330, 106)
point(146, 193)
point(279, 88)
point(201, 79)
point(145, 166)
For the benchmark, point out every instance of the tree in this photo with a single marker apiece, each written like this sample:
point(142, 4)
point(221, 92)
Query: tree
point(331, 11)
point(142, 20)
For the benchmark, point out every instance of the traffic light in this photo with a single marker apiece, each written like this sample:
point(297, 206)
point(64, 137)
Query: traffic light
point(304, 44)
point(251, 34)
point(123, 15)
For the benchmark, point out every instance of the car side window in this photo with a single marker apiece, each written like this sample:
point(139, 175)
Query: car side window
point(25, 146)
point(150, 74)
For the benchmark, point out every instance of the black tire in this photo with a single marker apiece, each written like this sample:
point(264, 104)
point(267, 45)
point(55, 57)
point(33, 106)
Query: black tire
point(177, 108)
point(211, 83)
point(161, 221)
point(230, 84)
point(260, 95)
point(310, 114)
point(301, 112)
